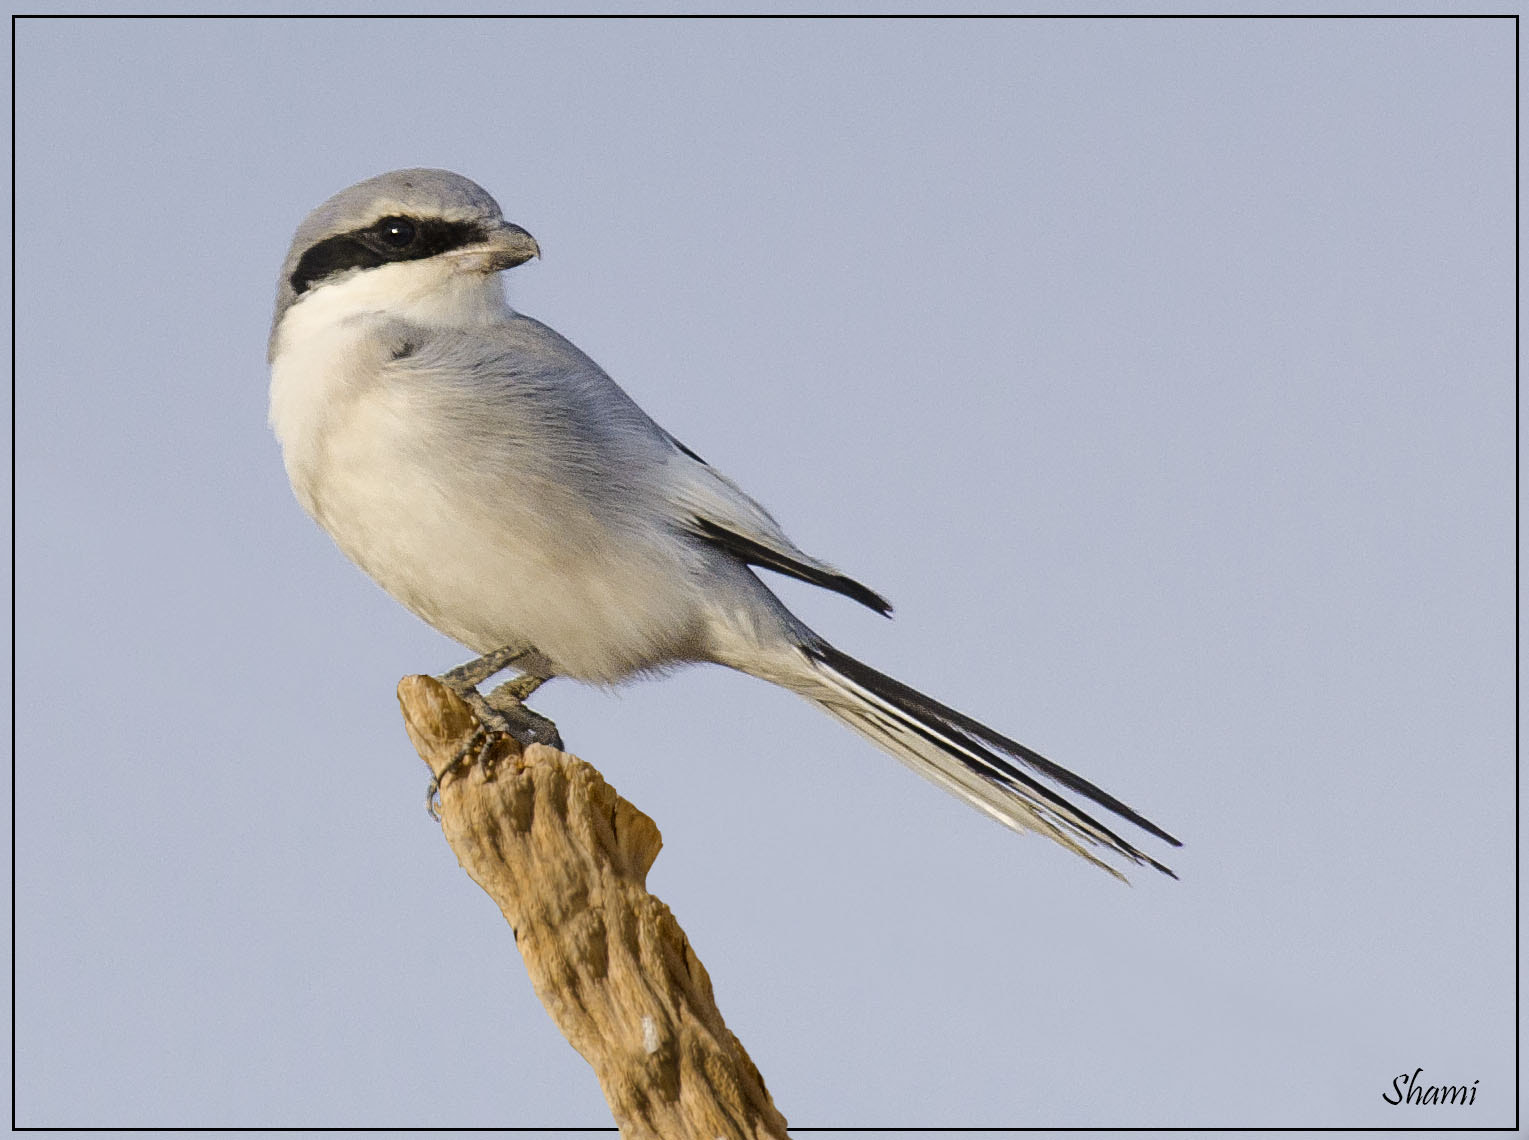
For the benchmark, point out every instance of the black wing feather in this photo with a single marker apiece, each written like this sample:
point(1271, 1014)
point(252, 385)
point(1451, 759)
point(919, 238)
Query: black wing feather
point(757, 554)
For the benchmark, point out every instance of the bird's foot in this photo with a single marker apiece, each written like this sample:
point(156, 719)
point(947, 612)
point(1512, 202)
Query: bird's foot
point(501, 713)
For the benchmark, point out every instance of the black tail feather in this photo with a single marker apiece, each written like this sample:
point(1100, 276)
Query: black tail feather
point(919, 707)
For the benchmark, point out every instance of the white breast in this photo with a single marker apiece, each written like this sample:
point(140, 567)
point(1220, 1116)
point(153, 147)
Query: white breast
point(490, 557)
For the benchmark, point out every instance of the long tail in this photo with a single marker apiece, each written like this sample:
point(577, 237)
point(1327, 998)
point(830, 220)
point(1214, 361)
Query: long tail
point(983, 767)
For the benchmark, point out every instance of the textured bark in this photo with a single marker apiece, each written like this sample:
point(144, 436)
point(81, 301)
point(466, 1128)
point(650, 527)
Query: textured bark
point(566, 858)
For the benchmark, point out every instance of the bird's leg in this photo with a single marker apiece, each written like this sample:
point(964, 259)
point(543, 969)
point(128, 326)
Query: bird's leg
point(480, 669)
point(518, 689)
point(502, 711)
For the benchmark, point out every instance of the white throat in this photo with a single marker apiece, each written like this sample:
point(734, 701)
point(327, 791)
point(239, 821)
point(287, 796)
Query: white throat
point(437, 292)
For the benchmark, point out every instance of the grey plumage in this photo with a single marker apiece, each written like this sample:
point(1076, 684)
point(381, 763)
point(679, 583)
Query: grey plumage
point(497, 482)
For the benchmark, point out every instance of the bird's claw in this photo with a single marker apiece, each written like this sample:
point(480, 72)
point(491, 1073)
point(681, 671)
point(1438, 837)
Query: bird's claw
point(477, 746)
point(503, 713)
point(508, 701)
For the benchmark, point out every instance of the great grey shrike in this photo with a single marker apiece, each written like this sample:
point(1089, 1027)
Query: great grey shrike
point(500, 485)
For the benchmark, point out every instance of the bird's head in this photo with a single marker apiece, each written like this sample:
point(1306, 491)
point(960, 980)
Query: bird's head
point(423, 244)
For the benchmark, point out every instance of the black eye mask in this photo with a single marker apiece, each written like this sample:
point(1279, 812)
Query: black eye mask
point(394, 238)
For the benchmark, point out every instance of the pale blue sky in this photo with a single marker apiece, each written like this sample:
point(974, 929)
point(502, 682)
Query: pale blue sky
point(1161, 373)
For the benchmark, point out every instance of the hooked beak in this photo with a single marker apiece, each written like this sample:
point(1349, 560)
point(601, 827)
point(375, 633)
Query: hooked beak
point(504, 248)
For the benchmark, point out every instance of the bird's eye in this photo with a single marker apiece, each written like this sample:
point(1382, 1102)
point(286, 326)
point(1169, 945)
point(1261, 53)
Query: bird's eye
point(396, 232)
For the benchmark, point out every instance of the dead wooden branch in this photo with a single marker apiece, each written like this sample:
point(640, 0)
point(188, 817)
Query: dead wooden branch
point(566, 859)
